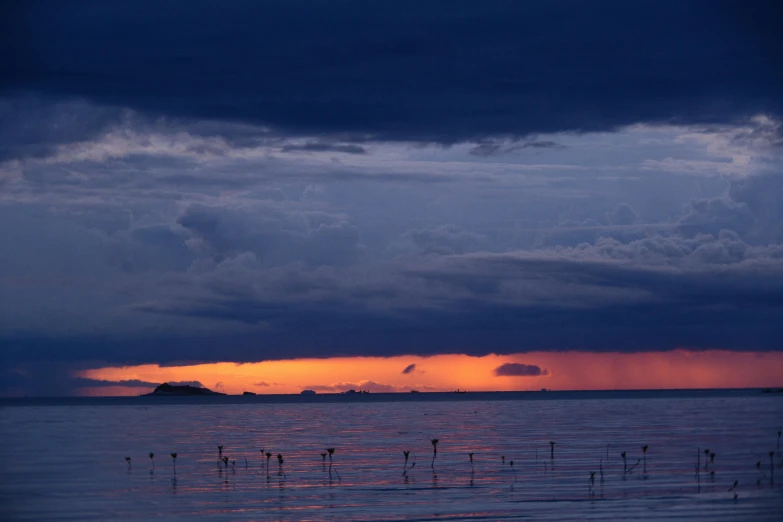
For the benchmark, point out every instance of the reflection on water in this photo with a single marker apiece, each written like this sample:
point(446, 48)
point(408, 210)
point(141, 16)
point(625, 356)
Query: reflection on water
point(67, 462)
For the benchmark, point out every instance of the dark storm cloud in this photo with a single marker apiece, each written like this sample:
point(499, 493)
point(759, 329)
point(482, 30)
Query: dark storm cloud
point(424, 70)
point(519, 370)
point(408, 369)
point(99, 383)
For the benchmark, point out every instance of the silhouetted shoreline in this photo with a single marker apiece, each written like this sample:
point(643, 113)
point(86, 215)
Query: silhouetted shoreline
point(147, 400)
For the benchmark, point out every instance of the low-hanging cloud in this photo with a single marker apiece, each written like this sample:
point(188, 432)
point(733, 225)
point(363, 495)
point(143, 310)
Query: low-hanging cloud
point(519, 370)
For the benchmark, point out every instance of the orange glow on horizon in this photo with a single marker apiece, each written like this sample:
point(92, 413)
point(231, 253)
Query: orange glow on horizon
point(564, 371)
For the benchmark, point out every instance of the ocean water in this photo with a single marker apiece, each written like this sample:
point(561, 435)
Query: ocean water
point(65, 459)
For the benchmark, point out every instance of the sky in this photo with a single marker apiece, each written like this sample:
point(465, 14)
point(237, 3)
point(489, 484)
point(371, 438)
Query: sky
point(286, 195)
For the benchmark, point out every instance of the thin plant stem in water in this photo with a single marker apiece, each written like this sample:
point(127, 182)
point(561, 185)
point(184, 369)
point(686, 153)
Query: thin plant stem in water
point(551, 450)
point(601, 469)
point(470, 455)
point(434, 452)
point(152, 459)
point(128, 460)
point(280, 464)
point(268, 456)
point(174, 461)
point(625, 463)
point(644, 456)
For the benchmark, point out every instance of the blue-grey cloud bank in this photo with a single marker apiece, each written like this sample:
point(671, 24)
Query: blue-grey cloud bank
point(201, 181)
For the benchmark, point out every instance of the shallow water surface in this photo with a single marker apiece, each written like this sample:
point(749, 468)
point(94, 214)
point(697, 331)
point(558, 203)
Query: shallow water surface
point(65, 460)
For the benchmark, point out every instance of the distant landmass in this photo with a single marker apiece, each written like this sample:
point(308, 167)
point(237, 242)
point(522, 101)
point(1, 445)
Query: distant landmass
point(248, 393)
point(168, 390)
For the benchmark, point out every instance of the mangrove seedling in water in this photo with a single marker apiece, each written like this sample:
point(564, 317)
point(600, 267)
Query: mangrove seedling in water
point(323, 457)
point(280, 463)
point(225, 461)
point(152, 459)
point(331, 452)
point(625, 463)
point(128, 460)
point(405, 468)
point(174, 461)
point(268, 456)
point(434, 451)
point(644, 456)
point(220, 451)
point(706, 459)
point(711, 461)
point(470, 455)
point(551, 450)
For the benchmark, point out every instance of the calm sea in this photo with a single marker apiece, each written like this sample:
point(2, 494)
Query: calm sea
point(64, 459)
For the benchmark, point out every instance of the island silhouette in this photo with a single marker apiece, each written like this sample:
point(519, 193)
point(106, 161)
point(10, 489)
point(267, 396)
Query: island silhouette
point(168, 390)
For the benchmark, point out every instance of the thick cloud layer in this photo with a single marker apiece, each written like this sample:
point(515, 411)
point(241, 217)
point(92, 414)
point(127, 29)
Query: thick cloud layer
point(314, 179)
point(418, 71)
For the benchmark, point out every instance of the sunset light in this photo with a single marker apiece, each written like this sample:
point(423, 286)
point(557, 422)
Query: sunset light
point(557, 371)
